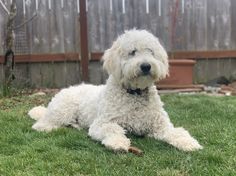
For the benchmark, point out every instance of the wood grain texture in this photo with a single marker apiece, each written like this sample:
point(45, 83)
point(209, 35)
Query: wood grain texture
point(2, 38)
point(95, 73)
point(73, 74)
point(219, 24)
point(204, 25)
point(21, 73)
point(84, 40)
point(233, 23)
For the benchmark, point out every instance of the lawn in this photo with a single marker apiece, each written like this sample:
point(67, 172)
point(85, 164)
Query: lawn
point(67, 151)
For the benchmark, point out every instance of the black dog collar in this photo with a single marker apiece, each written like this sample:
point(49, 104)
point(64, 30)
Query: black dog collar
point(136, 91)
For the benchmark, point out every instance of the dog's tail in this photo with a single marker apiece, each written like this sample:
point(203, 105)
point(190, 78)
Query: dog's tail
point(37, 112)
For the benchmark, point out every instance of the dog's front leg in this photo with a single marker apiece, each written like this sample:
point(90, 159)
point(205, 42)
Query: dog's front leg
point(164, 130)
point(110, 134)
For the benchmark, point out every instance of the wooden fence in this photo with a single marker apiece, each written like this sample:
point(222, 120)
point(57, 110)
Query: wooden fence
point(180, 24)
point(57, 33)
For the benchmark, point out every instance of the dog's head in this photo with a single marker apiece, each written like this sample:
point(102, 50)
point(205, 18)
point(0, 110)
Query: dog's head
point(136, 59)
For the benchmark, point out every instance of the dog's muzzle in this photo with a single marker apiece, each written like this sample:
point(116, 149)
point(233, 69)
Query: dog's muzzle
point(145, 68)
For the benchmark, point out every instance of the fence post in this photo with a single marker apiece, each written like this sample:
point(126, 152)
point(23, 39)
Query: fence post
point(84, 40)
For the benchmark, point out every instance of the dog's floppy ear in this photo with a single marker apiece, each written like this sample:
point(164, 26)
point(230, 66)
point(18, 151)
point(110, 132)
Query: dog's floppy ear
point(163, 56)
point(111, 62)
point(107, 61)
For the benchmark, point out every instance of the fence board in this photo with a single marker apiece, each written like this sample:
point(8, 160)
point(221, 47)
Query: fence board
point(142, 17)
point(109, 25)
point(233, 24)
point(73, 73)
point(20, 42)
point(200, 24)
point(164, 23)
point(225, 67)
point(41, 28)
point(102, 23)
point(59, 74)
point(154, 18)
point(213, 69)
point(200, 71)
point(129, 24)
point(2, 23)
point(47, 75)
point(35, 74)
point(21, 73)
point(178, 23)
point(95, 73)
point(57, 28)
point(194, 24)
point(30, 11)
point(219, 17)
point(69, 25)
point(233, 70)
point(93, 20)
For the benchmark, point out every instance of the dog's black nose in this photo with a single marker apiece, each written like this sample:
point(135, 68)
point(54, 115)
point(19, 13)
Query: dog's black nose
point(145, 67)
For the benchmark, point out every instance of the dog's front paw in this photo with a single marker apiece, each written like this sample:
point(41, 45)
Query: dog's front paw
point(117, 143)
point(181, 139)
point(43, 127)
point(188, 144)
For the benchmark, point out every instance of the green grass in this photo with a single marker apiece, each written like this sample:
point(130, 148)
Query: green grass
point(67, 151)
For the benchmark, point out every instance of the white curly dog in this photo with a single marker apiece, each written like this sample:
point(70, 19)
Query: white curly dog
point(128, 102)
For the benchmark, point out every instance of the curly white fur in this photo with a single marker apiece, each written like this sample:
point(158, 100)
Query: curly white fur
point(108, 111)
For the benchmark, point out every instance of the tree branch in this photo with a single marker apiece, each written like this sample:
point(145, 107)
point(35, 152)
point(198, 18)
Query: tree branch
point(22, 24)
point(4, 7)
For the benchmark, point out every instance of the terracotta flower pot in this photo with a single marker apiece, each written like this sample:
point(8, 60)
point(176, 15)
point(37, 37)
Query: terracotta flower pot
point(181, 72)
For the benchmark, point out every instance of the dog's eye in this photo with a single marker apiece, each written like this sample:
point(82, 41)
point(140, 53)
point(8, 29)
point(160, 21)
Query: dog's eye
point(150, 51)
point(132, 53)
